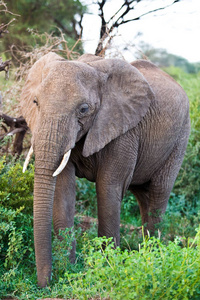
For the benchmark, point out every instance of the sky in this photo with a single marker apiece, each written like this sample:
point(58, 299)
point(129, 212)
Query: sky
point(176, 29)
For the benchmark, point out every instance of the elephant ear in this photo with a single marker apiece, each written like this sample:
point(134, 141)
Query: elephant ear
point(35, 76)
point(125, 99)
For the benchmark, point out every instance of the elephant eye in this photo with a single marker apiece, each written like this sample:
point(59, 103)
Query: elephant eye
point(83, 108)
point(35, 101)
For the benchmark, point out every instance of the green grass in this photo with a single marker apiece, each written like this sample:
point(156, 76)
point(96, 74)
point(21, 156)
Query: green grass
point(156, 271)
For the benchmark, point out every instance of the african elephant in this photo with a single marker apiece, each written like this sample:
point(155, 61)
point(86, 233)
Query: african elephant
point(123, 126)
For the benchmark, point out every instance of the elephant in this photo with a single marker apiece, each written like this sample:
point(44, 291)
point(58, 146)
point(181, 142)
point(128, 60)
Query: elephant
point(124, 126)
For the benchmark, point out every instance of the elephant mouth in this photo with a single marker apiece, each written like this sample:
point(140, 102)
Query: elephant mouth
point(58, 170)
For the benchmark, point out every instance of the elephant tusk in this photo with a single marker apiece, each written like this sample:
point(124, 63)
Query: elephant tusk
point(63, 163)
point(28, 157)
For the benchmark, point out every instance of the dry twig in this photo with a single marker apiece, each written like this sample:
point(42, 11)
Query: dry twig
point(26, 58)
point(18, 127)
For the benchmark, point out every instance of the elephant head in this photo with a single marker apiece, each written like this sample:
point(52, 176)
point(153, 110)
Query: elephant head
point(63, 101)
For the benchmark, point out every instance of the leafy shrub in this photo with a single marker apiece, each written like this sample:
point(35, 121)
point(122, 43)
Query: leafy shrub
point(16, 188)
point(86, 200)
point(188, 181)
point(130, 212)
point(181, 218)
point(15, 234)
point(16, 228)
point(155, 271)
point(61, 253)
point(16, 247)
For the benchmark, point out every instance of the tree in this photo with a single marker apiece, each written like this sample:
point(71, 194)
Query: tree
point(42, 16)
point(120, 17)
point(18, 126)
point(4, 65)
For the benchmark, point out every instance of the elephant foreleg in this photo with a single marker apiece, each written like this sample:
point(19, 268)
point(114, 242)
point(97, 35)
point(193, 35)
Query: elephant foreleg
point(113, 179)
point(109, 196)
point(64, 202)
point(109, 203)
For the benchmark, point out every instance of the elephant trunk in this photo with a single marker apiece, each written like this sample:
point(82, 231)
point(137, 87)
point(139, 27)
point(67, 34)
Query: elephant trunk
point(44, 187)
point(49, 147)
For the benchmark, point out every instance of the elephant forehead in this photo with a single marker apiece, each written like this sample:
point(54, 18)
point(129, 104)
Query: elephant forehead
point(70, 73)
point(67, 79)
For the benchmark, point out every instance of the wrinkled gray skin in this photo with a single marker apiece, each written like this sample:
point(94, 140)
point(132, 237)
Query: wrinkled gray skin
point(127, 126)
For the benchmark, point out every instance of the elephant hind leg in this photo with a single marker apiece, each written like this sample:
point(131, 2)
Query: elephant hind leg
point(153, 196)
point(152, 203)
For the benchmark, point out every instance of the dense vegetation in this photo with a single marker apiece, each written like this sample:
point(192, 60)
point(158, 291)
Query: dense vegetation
point(166, 267)
point(43, 16)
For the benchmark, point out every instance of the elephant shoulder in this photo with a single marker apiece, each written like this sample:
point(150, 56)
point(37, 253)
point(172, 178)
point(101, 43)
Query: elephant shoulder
point(87, 58)
point(169, 94)
point(144, 64)
point(153, 74)
point(150, 70)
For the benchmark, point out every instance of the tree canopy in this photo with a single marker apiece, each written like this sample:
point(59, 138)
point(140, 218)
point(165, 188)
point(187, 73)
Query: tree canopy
point(42, 16)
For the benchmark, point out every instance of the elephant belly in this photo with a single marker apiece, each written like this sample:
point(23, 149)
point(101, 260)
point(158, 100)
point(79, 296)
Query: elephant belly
point(146, 168)
point(151, 159)
point(84, 166)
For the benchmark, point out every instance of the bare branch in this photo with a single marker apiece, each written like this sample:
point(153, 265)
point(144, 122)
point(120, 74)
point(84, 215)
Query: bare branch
point(14, 122)
point(142, 15)
point(26, 58)
point(18, 127)
point(61, 26)
point(3, 28)
point(103, 22)
point(107, 28)
point(4, 66)
point(5, 9)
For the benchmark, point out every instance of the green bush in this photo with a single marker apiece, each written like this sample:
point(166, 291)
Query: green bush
point(61, 253)
point(16, 221)
point(16, 187)
point(16, 247)
point(86, 200)
point(16, 236)
point(180, 219)
point(188, 181)
point(155, 271)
